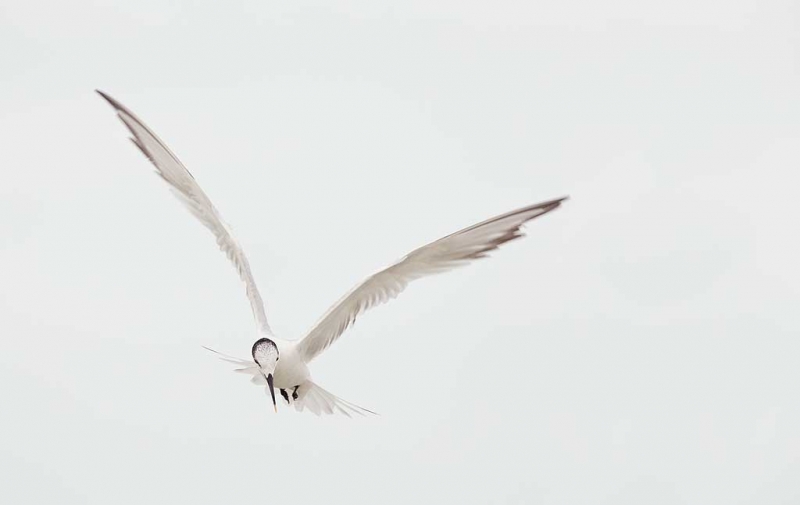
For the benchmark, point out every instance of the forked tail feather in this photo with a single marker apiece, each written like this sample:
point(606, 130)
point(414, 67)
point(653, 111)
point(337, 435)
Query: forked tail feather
point(319, 401)
point(309, 395)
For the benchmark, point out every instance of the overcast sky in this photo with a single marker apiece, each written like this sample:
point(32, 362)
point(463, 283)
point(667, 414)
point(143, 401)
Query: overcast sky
point(641, 345)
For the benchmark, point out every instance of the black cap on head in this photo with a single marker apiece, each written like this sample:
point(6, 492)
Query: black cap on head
point(263, 350)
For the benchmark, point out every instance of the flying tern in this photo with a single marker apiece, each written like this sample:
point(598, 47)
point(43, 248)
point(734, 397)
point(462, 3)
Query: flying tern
point(283, 364)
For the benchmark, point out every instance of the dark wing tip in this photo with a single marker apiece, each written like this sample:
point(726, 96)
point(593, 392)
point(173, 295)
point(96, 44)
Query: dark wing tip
point(108, 99)
point(554, 202)
point(538, 209)
point(547, 206)
point(116, 105)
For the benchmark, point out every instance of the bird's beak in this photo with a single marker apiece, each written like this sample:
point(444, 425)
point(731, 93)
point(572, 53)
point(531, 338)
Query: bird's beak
point(272, 392)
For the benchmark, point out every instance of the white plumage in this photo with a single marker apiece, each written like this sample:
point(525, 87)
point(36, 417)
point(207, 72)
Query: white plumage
point(290, 370)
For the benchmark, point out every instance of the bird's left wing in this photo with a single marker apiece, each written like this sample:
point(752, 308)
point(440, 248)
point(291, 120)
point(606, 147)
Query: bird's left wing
point(184, 186)
point(444, 254)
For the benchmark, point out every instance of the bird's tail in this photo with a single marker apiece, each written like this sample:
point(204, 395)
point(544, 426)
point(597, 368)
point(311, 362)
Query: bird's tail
point(309, 395)
point(312, 397)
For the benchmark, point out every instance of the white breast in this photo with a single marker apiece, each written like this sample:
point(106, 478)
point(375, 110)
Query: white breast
point(291, 370)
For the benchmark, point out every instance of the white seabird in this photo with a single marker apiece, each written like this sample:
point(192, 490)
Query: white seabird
point(283, 364)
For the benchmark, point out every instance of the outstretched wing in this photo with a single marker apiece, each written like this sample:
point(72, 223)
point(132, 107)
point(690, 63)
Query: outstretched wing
point(189, 193)
point(445, 254)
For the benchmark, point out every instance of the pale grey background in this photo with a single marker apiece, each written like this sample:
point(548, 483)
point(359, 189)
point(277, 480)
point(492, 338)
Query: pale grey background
point(640, 346)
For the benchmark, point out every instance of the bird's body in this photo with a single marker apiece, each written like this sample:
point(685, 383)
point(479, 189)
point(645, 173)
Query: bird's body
point(283, 364)
point(292, 369)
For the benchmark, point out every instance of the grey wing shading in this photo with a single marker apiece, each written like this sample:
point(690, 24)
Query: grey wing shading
point(452, 251)
point(186, 189)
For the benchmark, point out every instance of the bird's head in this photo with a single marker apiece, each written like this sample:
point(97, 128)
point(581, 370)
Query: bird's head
point(265, 354)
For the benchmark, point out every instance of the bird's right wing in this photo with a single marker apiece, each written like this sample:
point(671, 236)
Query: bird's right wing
point(444, 254)
point(183, 186)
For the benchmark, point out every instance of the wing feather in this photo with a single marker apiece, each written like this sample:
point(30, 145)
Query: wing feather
point(186, 189)
point(452, 251)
